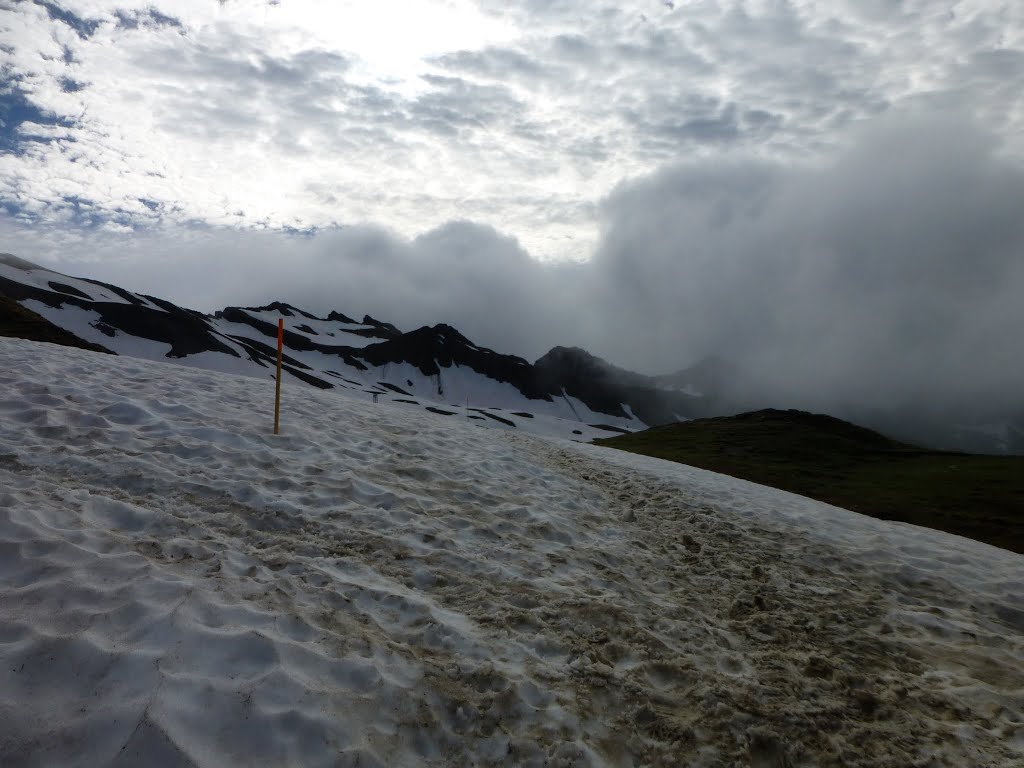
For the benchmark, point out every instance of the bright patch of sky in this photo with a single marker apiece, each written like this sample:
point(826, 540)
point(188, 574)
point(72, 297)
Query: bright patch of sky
point(392, 41)
point(121, 115)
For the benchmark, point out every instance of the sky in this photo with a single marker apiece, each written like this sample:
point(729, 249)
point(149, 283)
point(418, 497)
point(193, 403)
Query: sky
point(830, 193)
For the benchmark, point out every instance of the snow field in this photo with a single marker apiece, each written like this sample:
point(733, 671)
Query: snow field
point(377, 586)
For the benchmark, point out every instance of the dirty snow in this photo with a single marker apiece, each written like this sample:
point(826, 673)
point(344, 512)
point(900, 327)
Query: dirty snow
point(375, 586)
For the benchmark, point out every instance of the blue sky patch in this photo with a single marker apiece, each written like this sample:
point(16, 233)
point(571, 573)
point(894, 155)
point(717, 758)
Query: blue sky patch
point(84, 28)
point(15, 109)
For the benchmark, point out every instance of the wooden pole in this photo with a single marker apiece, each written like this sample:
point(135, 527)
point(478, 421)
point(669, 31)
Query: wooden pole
point(277, 396)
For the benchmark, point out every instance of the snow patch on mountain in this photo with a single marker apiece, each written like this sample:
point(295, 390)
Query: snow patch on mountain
point(89, 325)
point(371, 359)
point(47, 280)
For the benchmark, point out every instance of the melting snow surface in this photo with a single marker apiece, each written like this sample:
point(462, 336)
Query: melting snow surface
point(379, 587)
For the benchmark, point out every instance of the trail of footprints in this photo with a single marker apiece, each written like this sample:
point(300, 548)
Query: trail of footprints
point(179, 588)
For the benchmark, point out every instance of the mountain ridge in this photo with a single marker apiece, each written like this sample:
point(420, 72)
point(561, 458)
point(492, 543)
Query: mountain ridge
point(587, 396)
point(439, 364)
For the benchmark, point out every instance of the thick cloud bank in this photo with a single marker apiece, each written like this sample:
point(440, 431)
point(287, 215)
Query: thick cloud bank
point(895, 274)
point(891, 275)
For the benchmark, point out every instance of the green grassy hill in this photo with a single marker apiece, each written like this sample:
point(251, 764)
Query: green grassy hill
point(980, 497)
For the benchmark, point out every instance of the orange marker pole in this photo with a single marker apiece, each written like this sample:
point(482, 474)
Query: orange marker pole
point(277, 397)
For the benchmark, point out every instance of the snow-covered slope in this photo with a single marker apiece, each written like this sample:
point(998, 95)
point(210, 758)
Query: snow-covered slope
point(434, 369)
point(374, 586)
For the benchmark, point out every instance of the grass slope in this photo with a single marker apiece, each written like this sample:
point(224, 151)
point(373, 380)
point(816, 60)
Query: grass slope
point(20, 323)
point(980, 497)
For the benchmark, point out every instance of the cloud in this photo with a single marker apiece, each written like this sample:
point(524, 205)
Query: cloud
point(462, 273)
point(886, 276)
point(493, 63)
point(889, 275)
point(790, 184)
point(520, 115)
point(82, 26)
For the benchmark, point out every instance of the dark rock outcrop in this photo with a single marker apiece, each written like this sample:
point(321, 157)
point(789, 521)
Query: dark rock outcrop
point(17, 322)
point(435, 348)
point(605, 388)
point(185, 331)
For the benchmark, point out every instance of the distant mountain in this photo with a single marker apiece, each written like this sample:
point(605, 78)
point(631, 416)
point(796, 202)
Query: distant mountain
point(568, 392)
point(609, 389)
point(710, 376)
point(727, 389)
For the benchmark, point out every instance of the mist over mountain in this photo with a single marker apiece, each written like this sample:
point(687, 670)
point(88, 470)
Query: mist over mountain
point(885, 281)
point(437, 364)
point(569, 393)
